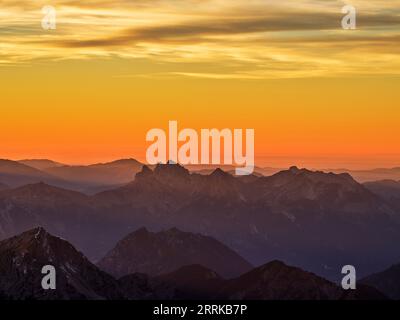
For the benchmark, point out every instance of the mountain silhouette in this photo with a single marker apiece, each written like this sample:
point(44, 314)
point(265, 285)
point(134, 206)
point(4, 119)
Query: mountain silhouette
point(319, 221)
point(40, 164)
point(163, 252)
point(89, 179)
point(370, 175)
point(65, 213)
point(272, 281)
point(304, 217)
point(387, 281)
point(14, 174)
point(277, 281)
point(21, 261)
point(118, 172)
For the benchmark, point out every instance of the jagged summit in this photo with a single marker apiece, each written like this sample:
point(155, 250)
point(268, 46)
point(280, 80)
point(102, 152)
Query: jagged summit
point(24, 256)
point(167, 172)
point(38, 243)
point(35, 233)
point(171, 168)
point(296, 174)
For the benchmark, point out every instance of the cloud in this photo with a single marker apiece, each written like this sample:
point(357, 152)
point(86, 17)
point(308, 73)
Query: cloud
point(188, 32)
point(246, 33)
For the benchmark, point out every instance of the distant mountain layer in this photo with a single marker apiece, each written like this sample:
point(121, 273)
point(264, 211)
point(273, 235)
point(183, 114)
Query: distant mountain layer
point(372, 174)
point(13, 174)
point(112, 173)
point(41, 164)
point(89, 179)
point(305, 218)
point(22, 258)
point(158, 253)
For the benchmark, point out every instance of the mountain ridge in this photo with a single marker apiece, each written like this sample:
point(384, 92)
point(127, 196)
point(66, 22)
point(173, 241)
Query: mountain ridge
point(22, 259)
point(161, 252)
point(299, 216)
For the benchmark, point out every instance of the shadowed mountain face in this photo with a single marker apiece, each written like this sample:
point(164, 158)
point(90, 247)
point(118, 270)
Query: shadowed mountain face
point(158, 253)
point(387, 189)
point(387, 281)
point(21, 261)
point(319, 221)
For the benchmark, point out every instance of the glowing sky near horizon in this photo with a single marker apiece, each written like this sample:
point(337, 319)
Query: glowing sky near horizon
point(316, 95)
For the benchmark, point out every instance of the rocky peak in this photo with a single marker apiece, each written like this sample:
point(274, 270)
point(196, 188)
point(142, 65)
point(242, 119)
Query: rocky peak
point(170, 169)
point(219, 173)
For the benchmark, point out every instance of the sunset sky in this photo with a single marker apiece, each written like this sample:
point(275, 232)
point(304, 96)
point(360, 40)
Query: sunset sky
point(316, 95)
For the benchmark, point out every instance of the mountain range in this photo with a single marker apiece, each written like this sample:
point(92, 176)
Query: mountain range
point(303, 217)
point(88, 179)
point(312, 219)
point(22, 258)
point(98, 177)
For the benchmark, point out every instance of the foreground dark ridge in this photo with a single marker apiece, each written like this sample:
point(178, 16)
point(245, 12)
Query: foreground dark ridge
point(22, 257)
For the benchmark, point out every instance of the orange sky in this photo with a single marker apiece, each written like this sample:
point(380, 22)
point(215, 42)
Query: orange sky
point(332, 104)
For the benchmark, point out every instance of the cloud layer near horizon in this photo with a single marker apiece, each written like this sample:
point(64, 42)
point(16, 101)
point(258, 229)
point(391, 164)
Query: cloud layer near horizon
point(249, 39)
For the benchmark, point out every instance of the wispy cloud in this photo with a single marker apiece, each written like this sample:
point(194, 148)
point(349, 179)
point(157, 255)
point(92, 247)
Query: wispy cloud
point(263, 39)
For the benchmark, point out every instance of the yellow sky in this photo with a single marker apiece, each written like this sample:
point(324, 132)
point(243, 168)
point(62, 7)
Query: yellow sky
point(316, 94)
